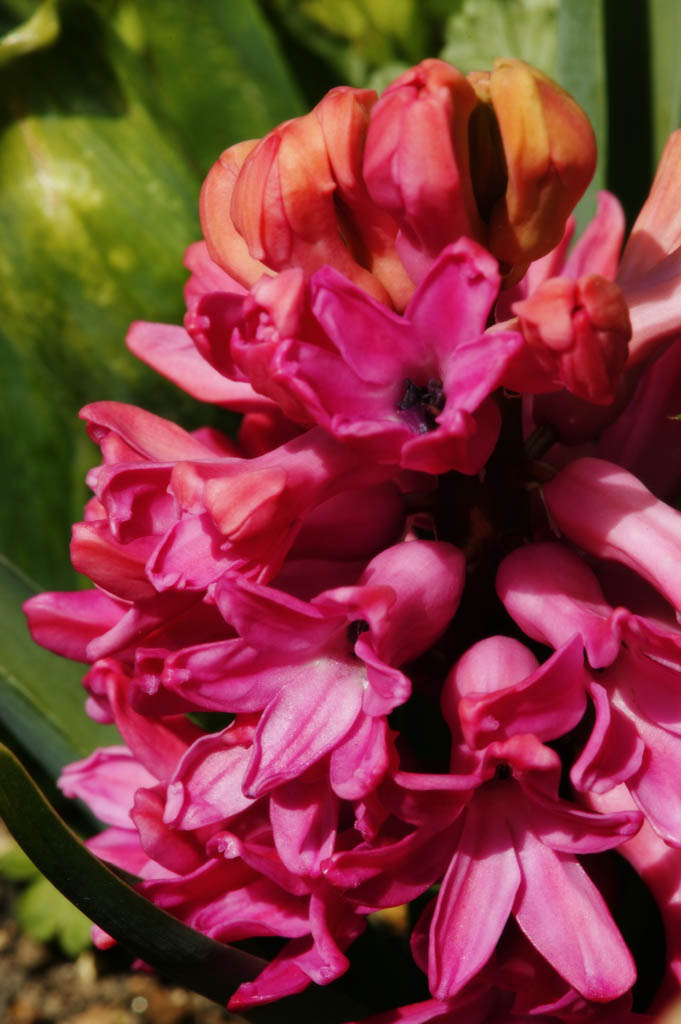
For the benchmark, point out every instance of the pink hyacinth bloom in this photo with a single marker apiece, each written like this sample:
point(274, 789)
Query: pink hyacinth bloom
point(608, 512)
point(410, 390)
point(324, 673)
point(510, 842)
point(635, 739)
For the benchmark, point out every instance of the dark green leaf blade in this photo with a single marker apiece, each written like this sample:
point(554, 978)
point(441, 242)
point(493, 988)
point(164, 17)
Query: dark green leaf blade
point(176, 951)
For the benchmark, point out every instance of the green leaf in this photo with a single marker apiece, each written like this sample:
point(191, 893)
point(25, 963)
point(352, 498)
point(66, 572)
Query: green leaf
point(664, 19)
point(15, 865)
point(44, 914)
point(173, 949)
point(40, 693)
point(96, 209)
point(356, 38)
point(581, 69)
point(215, 71)
point(41, 29)
point(478, 31)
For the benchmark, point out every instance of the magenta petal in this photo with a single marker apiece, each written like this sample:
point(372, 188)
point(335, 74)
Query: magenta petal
point(67, 623)
point(305, 721)
point(282, 977)
point(154, 438)
point(227, 676)
point(206, 787)
point(484, 873)
point(610, 513)
point(655, 786)
point(376, 344)
point(360, 760)
point(547, 703)
point(452, 303)
point(427, 578)
point(564, 827)
point(566, 919)
point(552, 594)
point(170, 351)
point(612, 753)
point(304, 816)
point(271, 620)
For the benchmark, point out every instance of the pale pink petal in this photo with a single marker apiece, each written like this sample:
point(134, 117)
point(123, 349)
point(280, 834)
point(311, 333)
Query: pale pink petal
point(107, 781)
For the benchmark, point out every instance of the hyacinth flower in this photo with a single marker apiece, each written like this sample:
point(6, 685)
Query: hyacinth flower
point(308, 578)
point(325, 673)
point(194, 874)
point(504, 840)
point(635, 694)
point(411, 390)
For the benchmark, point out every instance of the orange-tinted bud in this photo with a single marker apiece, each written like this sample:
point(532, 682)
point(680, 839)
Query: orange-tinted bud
point(368, 231)
point(577, 334)
point(225, 245)
point(549, 150)
point(283, 204)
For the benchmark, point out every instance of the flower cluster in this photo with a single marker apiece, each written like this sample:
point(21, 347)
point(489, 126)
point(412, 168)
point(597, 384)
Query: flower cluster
point(413, 635)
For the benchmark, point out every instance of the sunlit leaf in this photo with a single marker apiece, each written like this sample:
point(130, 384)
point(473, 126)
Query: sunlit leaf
point(478, 31)
point(664, 19)
point(581, 69)
point(39, 30)
point(215, 71)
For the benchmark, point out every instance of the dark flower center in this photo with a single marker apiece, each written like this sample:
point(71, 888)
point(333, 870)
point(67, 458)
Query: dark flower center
point(355, 629)
point(502, 771)
point(420, 405)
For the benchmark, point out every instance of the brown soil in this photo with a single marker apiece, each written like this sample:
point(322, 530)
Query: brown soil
point(40, 986)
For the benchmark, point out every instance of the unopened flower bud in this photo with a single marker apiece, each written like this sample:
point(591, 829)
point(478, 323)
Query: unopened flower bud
point(549, 152)
point(225, 245)
point(416, 162)
point(576, 335)
point(290, 202)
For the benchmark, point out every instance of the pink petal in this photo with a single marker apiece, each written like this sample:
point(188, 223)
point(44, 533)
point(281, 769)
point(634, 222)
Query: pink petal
point(453, 301)
point(67, 622)
point(107, 781)
point(610, 513)
point(305, 721)
point(206, 785)
point(360, 760)
point(612, 753)
point(304, 816)
point(170, 351)
point(484, 873)
point(565, 917)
